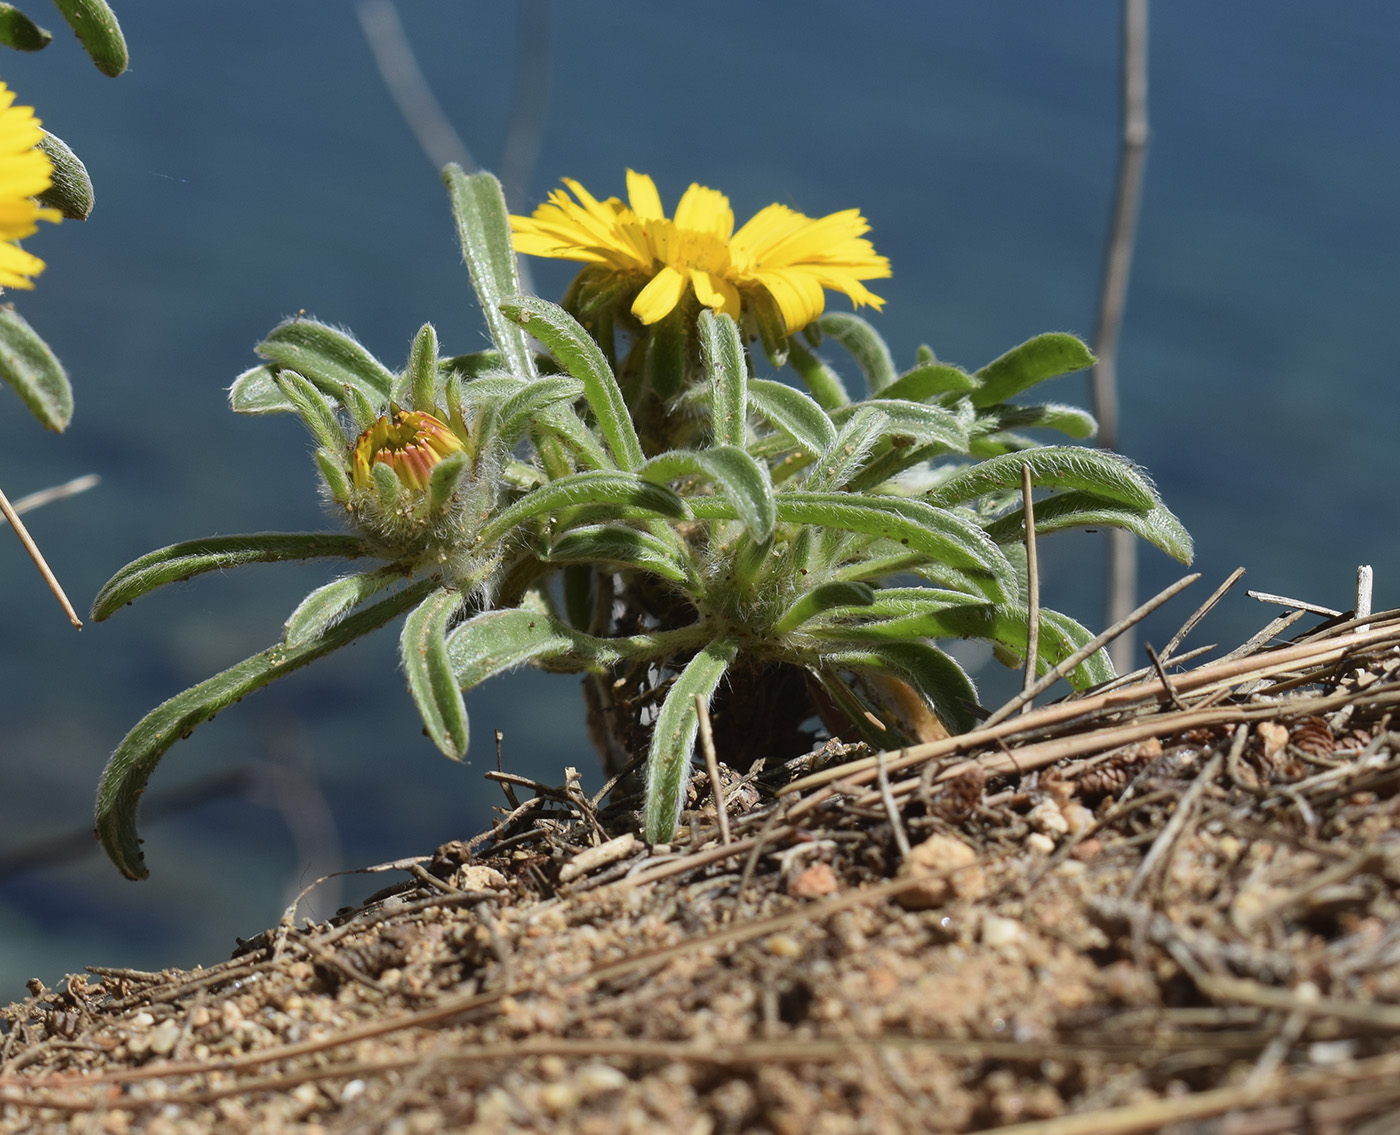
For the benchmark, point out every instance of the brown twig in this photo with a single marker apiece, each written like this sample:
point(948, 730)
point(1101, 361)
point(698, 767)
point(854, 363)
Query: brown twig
point(1201, 612)
point(1032, 587)
point(1089, 648)
point(707, 746)
point(10, 514)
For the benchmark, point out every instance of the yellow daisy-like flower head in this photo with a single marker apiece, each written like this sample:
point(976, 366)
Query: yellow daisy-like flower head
point(25, 172)
point(790, 256)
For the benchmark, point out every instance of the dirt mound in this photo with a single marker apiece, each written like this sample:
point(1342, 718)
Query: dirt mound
point(1169, 905)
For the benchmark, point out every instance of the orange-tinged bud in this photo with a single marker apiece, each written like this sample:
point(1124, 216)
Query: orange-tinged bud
point(409, 442)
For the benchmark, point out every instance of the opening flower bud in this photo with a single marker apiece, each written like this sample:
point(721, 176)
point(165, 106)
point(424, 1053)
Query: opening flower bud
point(409, 442)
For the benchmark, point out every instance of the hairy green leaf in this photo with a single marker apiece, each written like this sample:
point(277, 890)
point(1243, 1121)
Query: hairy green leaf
point(329, 358)
point(626, 492)
point(562, 423)
point(445, 478)
point(941, 535)
point(934, 425)
point(95, 25)
point(33, 371)
point(431, 678)
point(496, 641)
point(581, 357)
point(1069, 420)
point(1046, 356)
point(215, 553)
point(864, 344)
point(70, 191)
point(744, 482)
point(21, 33)
point(520, 411)
point(1157, 525)
point(722, 353)
point(899, 607)
point(483, 227)
point(822, 599)
point(130, 767)
point(766, 317)
point(1106, 475)
point(330, 603)
point(422, 370)
point(797, 414)
point(331, 463)
point(856, 437)
point(312, 408)
point(673, 739)
point(1059, 637)
point(255, 391)
point(620, 547)
point(930, 380)
point(363, 413)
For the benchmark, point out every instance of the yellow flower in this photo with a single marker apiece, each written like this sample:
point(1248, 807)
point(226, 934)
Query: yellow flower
point(780, 251)
point(410, 443)
point(25, 172)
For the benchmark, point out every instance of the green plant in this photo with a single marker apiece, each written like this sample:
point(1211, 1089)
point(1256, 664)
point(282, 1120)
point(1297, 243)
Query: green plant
point(517, 513)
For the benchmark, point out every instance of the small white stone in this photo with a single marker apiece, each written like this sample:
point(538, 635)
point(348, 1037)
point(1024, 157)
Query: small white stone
point(998, 931)
point(164, 1037)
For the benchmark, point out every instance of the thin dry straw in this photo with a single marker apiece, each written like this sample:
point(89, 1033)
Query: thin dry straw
point(1089, 648)
point(1032, 586)
point(38, 557)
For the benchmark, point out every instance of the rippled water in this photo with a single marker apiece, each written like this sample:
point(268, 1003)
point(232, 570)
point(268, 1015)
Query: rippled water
point(250, 166)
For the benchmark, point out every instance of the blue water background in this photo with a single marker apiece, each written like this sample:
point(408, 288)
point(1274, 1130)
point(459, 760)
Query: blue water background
point(250, 165)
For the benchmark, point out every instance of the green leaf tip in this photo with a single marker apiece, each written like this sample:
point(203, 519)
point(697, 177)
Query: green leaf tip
point(70, 191)
point(95, 25)
point(18, 31)
point(33, 371)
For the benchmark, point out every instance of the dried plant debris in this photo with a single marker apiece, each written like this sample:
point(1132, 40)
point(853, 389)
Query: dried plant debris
point(1169, 906)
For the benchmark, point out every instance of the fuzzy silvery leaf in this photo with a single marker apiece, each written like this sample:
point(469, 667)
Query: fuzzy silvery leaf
point(796, 414)
point(673, 738)
point(1045, 356)
point(865, 345)
point(742, 480)
point(929, 381)
point(130, 767)
point(483, 228)
point(1157, 525)
point(33, 371)
point(255, 391)
point(722, 355)
point(215, 553)
point(581, 357)
point(622, 548)
point(626, 494)
point(1106, 475)
point(431, 677)
point(329, 358)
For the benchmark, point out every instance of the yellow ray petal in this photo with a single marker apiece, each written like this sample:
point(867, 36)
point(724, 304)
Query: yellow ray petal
point(705, 210)
point(643, 197)
point(659, 298)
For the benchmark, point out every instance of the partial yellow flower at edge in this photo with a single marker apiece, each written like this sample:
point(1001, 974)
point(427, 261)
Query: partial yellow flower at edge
point(25, 172)
point(792, 257)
